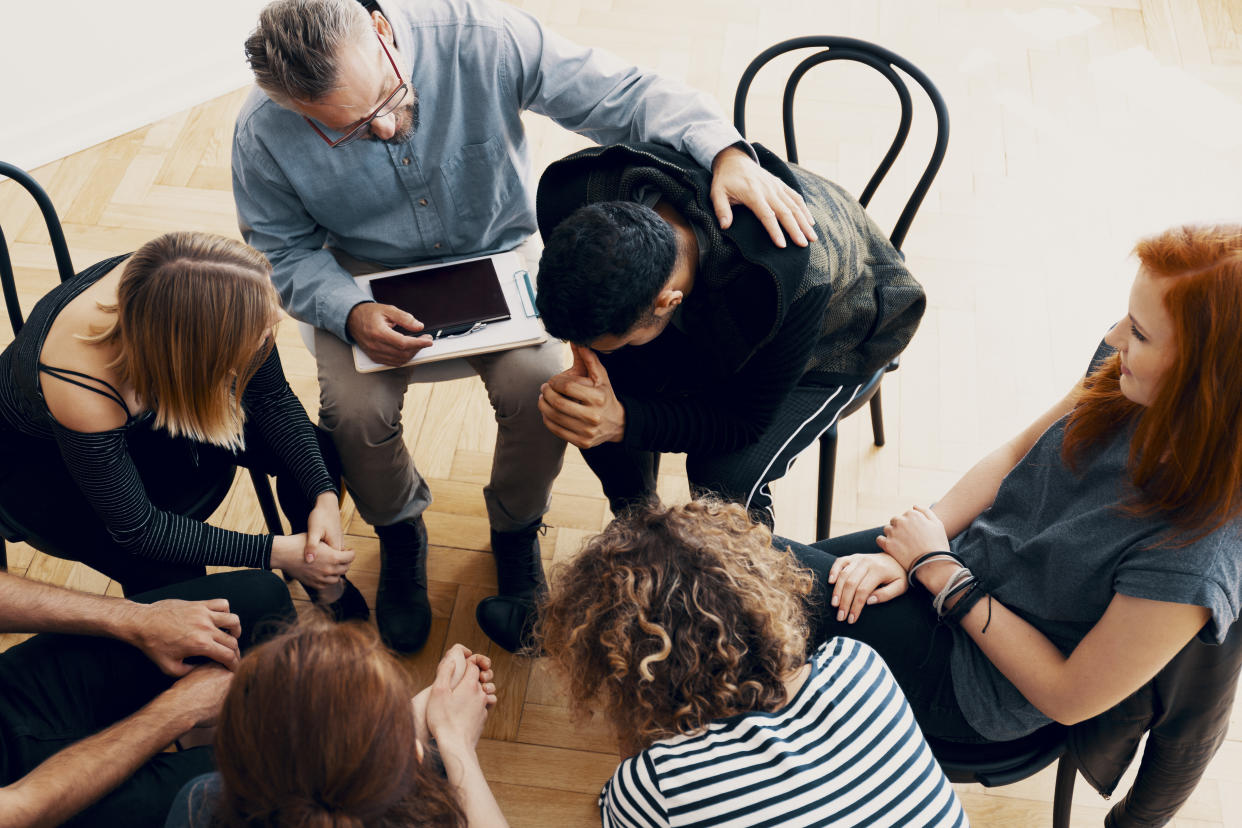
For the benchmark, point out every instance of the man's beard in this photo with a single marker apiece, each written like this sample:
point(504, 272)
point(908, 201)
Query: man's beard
point(407, 120)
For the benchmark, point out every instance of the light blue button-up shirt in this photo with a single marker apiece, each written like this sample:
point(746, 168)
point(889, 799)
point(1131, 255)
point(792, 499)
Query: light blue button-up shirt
point(463, 184)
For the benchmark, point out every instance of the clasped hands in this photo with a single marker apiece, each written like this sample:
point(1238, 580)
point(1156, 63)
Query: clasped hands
point(318, 557)
point(872, 578)
point(454, 707)
point(579, 406)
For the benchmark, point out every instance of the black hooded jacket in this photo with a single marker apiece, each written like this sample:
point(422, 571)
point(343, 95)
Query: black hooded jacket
point(762, 319)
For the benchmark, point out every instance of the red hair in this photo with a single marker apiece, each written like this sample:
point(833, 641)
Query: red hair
point(1185, 455)
point(317, 732)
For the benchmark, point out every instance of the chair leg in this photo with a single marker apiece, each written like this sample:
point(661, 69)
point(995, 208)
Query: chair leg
point(267, 502)
point(827, 477)
point(877, 418)
point(1063, 798)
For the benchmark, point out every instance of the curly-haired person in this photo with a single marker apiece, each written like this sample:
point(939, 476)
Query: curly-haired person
point(688, 631)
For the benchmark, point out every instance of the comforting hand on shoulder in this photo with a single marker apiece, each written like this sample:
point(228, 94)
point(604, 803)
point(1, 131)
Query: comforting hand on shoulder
point(579, 405)
point(737, 179)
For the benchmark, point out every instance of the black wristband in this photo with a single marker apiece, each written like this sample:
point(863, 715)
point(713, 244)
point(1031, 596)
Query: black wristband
point(929, 555)
point(964, 604)
point(966, 585)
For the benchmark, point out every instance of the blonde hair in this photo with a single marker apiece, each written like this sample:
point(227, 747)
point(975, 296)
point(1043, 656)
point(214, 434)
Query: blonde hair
point(191, 310)
point(676, 616)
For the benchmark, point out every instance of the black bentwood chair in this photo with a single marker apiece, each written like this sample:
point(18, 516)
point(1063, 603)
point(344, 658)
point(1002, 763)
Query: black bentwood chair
point(203, 492)
point(886, 63)
point(1001, 763)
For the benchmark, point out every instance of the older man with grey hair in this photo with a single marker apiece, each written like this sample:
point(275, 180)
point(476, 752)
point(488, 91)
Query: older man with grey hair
point(332, 176)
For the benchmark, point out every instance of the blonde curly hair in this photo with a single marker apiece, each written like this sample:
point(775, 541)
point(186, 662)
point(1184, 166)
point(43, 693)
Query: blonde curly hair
point(675, 616)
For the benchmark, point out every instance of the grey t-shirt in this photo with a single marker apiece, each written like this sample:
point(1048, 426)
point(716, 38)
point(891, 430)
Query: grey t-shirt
point(1055, 547)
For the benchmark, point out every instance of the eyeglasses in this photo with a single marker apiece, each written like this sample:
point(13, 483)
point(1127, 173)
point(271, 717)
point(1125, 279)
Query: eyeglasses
point(390, 103)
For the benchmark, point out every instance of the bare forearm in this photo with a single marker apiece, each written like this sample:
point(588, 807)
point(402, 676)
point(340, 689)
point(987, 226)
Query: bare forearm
point(1022, 653)
point(461, 765)
point(83, 773)
point(1123, 651)
point(975, 492)
point(33, 607)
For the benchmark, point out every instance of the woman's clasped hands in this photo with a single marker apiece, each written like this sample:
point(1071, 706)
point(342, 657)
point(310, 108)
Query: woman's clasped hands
point(861, 580)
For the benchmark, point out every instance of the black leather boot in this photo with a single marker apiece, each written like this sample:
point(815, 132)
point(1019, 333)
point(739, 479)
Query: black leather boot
point(509, 618)
point(402, 611)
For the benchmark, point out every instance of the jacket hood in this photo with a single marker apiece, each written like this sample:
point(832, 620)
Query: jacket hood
point(734, 256)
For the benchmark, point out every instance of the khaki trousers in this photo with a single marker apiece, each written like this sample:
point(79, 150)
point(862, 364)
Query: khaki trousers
point(362, 412)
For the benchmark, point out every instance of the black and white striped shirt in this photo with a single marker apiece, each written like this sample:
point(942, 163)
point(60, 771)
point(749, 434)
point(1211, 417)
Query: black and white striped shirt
point(844, 751)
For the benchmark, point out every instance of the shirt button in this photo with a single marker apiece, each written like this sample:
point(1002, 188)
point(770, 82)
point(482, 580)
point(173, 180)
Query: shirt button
point(436, 245)
point(405, 162)
point(422, 202)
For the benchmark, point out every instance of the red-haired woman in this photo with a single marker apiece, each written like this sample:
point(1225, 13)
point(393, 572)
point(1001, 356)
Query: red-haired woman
point(1075, 561)
point(318, 730)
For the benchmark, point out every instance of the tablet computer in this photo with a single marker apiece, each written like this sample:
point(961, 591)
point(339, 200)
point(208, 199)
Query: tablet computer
point(449, 299)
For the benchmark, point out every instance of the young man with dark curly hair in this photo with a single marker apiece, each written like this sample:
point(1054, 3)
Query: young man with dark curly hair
point(687, 629)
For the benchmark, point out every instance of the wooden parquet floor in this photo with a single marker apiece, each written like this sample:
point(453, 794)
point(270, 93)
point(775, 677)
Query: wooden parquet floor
point(1076, 128)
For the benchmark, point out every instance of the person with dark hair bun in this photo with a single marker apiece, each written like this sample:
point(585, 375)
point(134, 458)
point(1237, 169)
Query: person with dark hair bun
point(319, 729)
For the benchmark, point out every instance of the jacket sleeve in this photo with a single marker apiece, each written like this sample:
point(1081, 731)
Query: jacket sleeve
point(312, 286)
point(738, 409)
point(592, 93)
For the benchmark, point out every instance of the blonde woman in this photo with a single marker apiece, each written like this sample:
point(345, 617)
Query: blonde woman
point(687, 630)
point(128, 377)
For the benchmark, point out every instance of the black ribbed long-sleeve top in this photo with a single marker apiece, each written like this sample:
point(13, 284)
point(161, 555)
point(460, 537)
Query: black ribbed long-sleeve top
point(101, 465)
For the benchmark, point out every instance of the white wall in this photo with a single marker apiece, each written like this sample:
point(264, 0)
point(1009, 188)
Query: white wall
point(77, 72)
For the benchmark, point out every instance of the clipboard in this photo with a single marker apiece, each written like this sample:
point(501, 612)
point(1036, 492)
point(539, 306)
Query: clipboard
point(522, 327)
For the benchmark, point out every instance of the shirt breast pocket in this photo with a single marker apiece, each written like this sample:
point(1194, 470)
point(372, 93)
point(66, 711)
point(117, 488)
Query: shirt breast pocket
point(479, 179)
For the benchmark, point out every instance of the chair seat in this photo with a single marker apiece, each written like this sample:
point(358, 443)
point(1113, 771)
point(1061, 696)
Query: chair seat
point(868, 390)
point(1000, 763)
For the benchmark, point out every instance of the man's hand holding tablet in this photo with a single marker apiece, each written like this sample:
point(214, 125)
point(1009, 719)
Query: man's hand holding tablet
point(378, 330)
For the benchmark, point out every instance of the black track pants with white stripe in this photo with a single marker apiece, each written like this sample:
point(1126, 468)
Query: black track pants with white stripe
point(742, 476)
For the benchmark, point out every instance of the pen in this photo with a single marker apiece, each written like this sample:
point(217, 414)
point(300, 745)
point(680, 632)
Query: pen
point(528, 298)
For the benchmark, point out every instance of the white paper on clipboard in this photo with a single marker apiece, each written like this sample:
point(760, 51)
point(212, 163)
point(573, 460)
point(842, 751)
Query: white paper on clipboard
point(518, 331)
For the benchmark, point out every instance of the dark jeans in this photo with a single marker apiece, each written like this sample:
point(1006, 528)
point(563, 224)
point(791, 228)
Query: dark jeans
point(56, 690)
point(38, 491)
point(904, 631)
